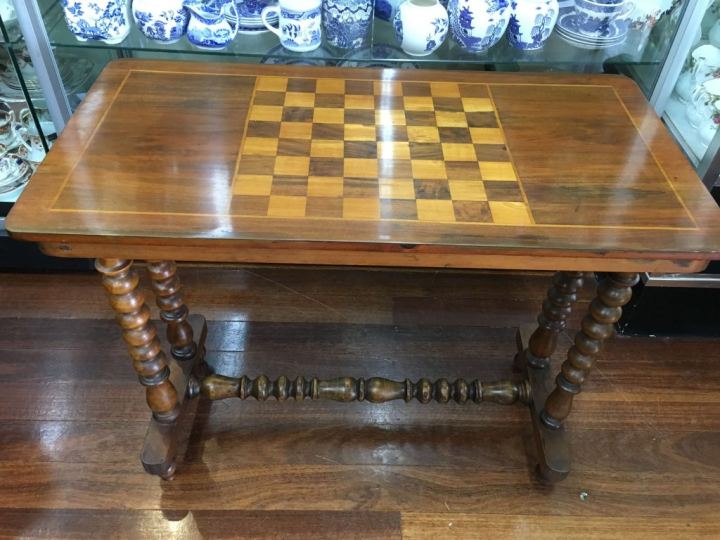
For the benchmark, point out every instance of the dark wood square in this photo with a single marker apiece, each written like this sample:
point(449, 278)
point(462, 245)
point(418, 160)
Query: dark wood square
point(289, 185)
point(249, 205)
point(394, 168)
point(365, 117)
point(298, 114)
point(416, 89)
point(503, 191)
point(463, 170)
point(391, 133)
point(398, 209)
point(361, 88)
point(455, 135)
point(448, 104)
point(472, 211)
point(293, 147)
point(481, 119)
point(387, 102)
point(330, 101)
point(474, 90)
point(432, 189)
point(492, 152)
point(361, 149)
point(320, 166)
point(364, 188)
point(328, 207)
point(301, 85)
point(329, 132)
point(269, 98)
point(420, 118)
point(263, 129)
point(264, 165)
point(426, 151)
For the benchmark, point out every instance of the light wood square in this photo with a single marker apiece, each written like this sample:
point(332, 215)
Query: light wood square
point(467, 190)
point(431, 210)
point(329, 149)
point(397, 188)
point(322, 115)
point(459, 152)
point(286, 206)
point(477, 105)
point(271, 84)
point(356, 208)
point(393, 150)
point(487, 136)
point(424, 134)
point(389, 117)
point(428, 169)
point(325, 186)
point(330, 86)
point(252, 184)
point(292, 165)
point(444, 89)
point(497, 170)
point(510, 213)
point(359, 102)
point(360, 168)
point(296, 130)
point(450, 119)
point(357, 132)
point(299, 99)
point(418, 103)
point(266, 113)
point(260, 146)
point(387, 88)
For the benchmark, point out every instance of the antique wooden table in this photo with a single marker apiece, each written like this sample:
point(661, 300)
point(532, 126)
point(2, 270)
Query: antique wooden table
point(172, 161)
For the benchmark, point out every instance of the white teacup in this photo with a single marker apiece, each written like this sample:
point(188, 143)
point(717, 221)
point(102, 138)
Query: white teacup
point(299, 24)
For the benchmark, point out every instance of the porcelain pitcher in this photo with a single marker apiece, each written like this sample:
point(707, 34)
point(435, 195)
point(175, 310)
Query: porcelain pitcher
point(98, 20)
point(213, 23)
point(165, 21)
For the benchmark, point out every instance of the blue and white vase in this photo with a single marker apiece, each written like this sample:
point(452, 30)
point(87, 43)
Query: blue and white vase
point(477, 25)
point(164, 21)
point(531, 23)
point(421, 26)
point(213, 23)
point(299, 24)
point(98, 20)
point(347, 22)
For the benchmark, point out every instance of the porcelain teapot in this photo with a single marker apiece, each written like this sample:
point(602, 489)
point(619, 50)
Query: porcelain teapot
point(213, 23)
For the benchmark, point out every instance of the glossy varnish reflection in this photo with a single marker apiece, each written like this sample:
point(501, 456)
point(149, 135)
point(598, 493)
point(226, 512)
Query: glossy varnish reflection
point(382, 167)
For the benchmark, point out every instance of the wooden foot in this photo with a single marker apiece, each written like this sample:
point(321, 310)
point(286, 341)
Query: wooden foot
point(162, 439)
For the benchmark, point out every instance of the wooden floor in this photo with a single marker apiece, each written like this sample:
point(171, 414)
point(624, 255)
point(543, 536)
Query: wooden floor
point(645, 433)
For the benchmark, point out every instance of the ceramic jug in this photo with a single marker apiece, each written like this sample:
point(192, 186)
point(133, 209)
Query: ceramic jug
point(213, 23)
point(477, 25)
point(99, 20)
point(531, 23)
point(420, 26)
point(164, 21)
point(299, 23)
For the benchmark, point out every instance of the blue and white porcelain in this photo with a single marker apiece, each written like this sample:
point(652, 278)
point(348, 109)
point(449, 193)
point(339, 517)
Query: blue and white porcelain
point(347, 22)
point(251, 9)
point(421, 26)
point(531, 23)
point(164, 21)
point(594, 18)
point(386, 9)
point(299, 24)
point(213, 23)
point(477, 25)
point(98, 20)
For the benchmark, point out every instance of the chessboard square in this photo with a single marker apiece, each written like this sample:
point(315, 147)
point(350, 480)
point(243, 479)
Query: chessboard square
point(329, 116)
point(459, 152)
point(361, 208)
point(387, 88)
point(477, 104)
point(429, 210)
point(361, 168)
point(397, 188)
point(460, 135)
point(320, 166)
point(365, 117)
point(359, 102)
point(283, 206)
point(296, 130)
point(472, 211)
point(324, 207)
point(269, 98)
point(394, 168)
point(447, 104)
point(428, 169)
point(420, 118)
point(297, 114)
point(330, 101)
point(432, 189)
point(253, 184)
point(451, 119)
point(391, 133)
point(360, 149)
point(355, 132)
point(365, 88)
point(491, 152)
point(431, 151)
point(330, 86)
point(418, 103)
point(325, 186)
point(328, 132)
point(385, 102)
point(324, 148)
point(292, 166)
point(510, 213)
point(481, 120)
point(293, 147)
point(416, 89)
point(389, 117)
point(364, 188)
point(271, 84)
point(259, 146)
point(398, 209)
point(497, 170)
point(301, 85)
point(467, 190)
point(423, 134)
point(262, 165)
point(267, 113)
point(445, 89)
point(249, 205)
point(487, 135)
point(503, 191)
point(471, 90)
point(290, 186)
point(463, 170)
point(393, 150)
point(263, 129)
point(299, 99)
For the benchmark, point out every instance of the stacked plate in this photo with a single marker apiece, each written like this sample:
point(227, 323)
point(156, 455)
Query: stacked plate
point(250, 21)
point(569, 30)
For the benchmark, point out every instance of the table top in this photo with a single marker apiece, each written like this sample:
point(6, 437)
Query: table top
point(367, 166)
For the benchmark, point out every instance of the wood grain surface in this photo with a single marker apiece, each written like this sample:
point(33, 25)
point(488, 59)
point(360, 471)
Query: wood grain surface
point(231, 162)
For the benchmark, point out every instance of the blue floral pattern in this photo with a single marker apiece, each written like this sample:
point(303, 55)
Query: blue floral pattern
point(213, 23)
point(300, 30)
point(531, 23)
point(166, 23)
point(97, 20)
point(477, 25)
point(347, 22)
